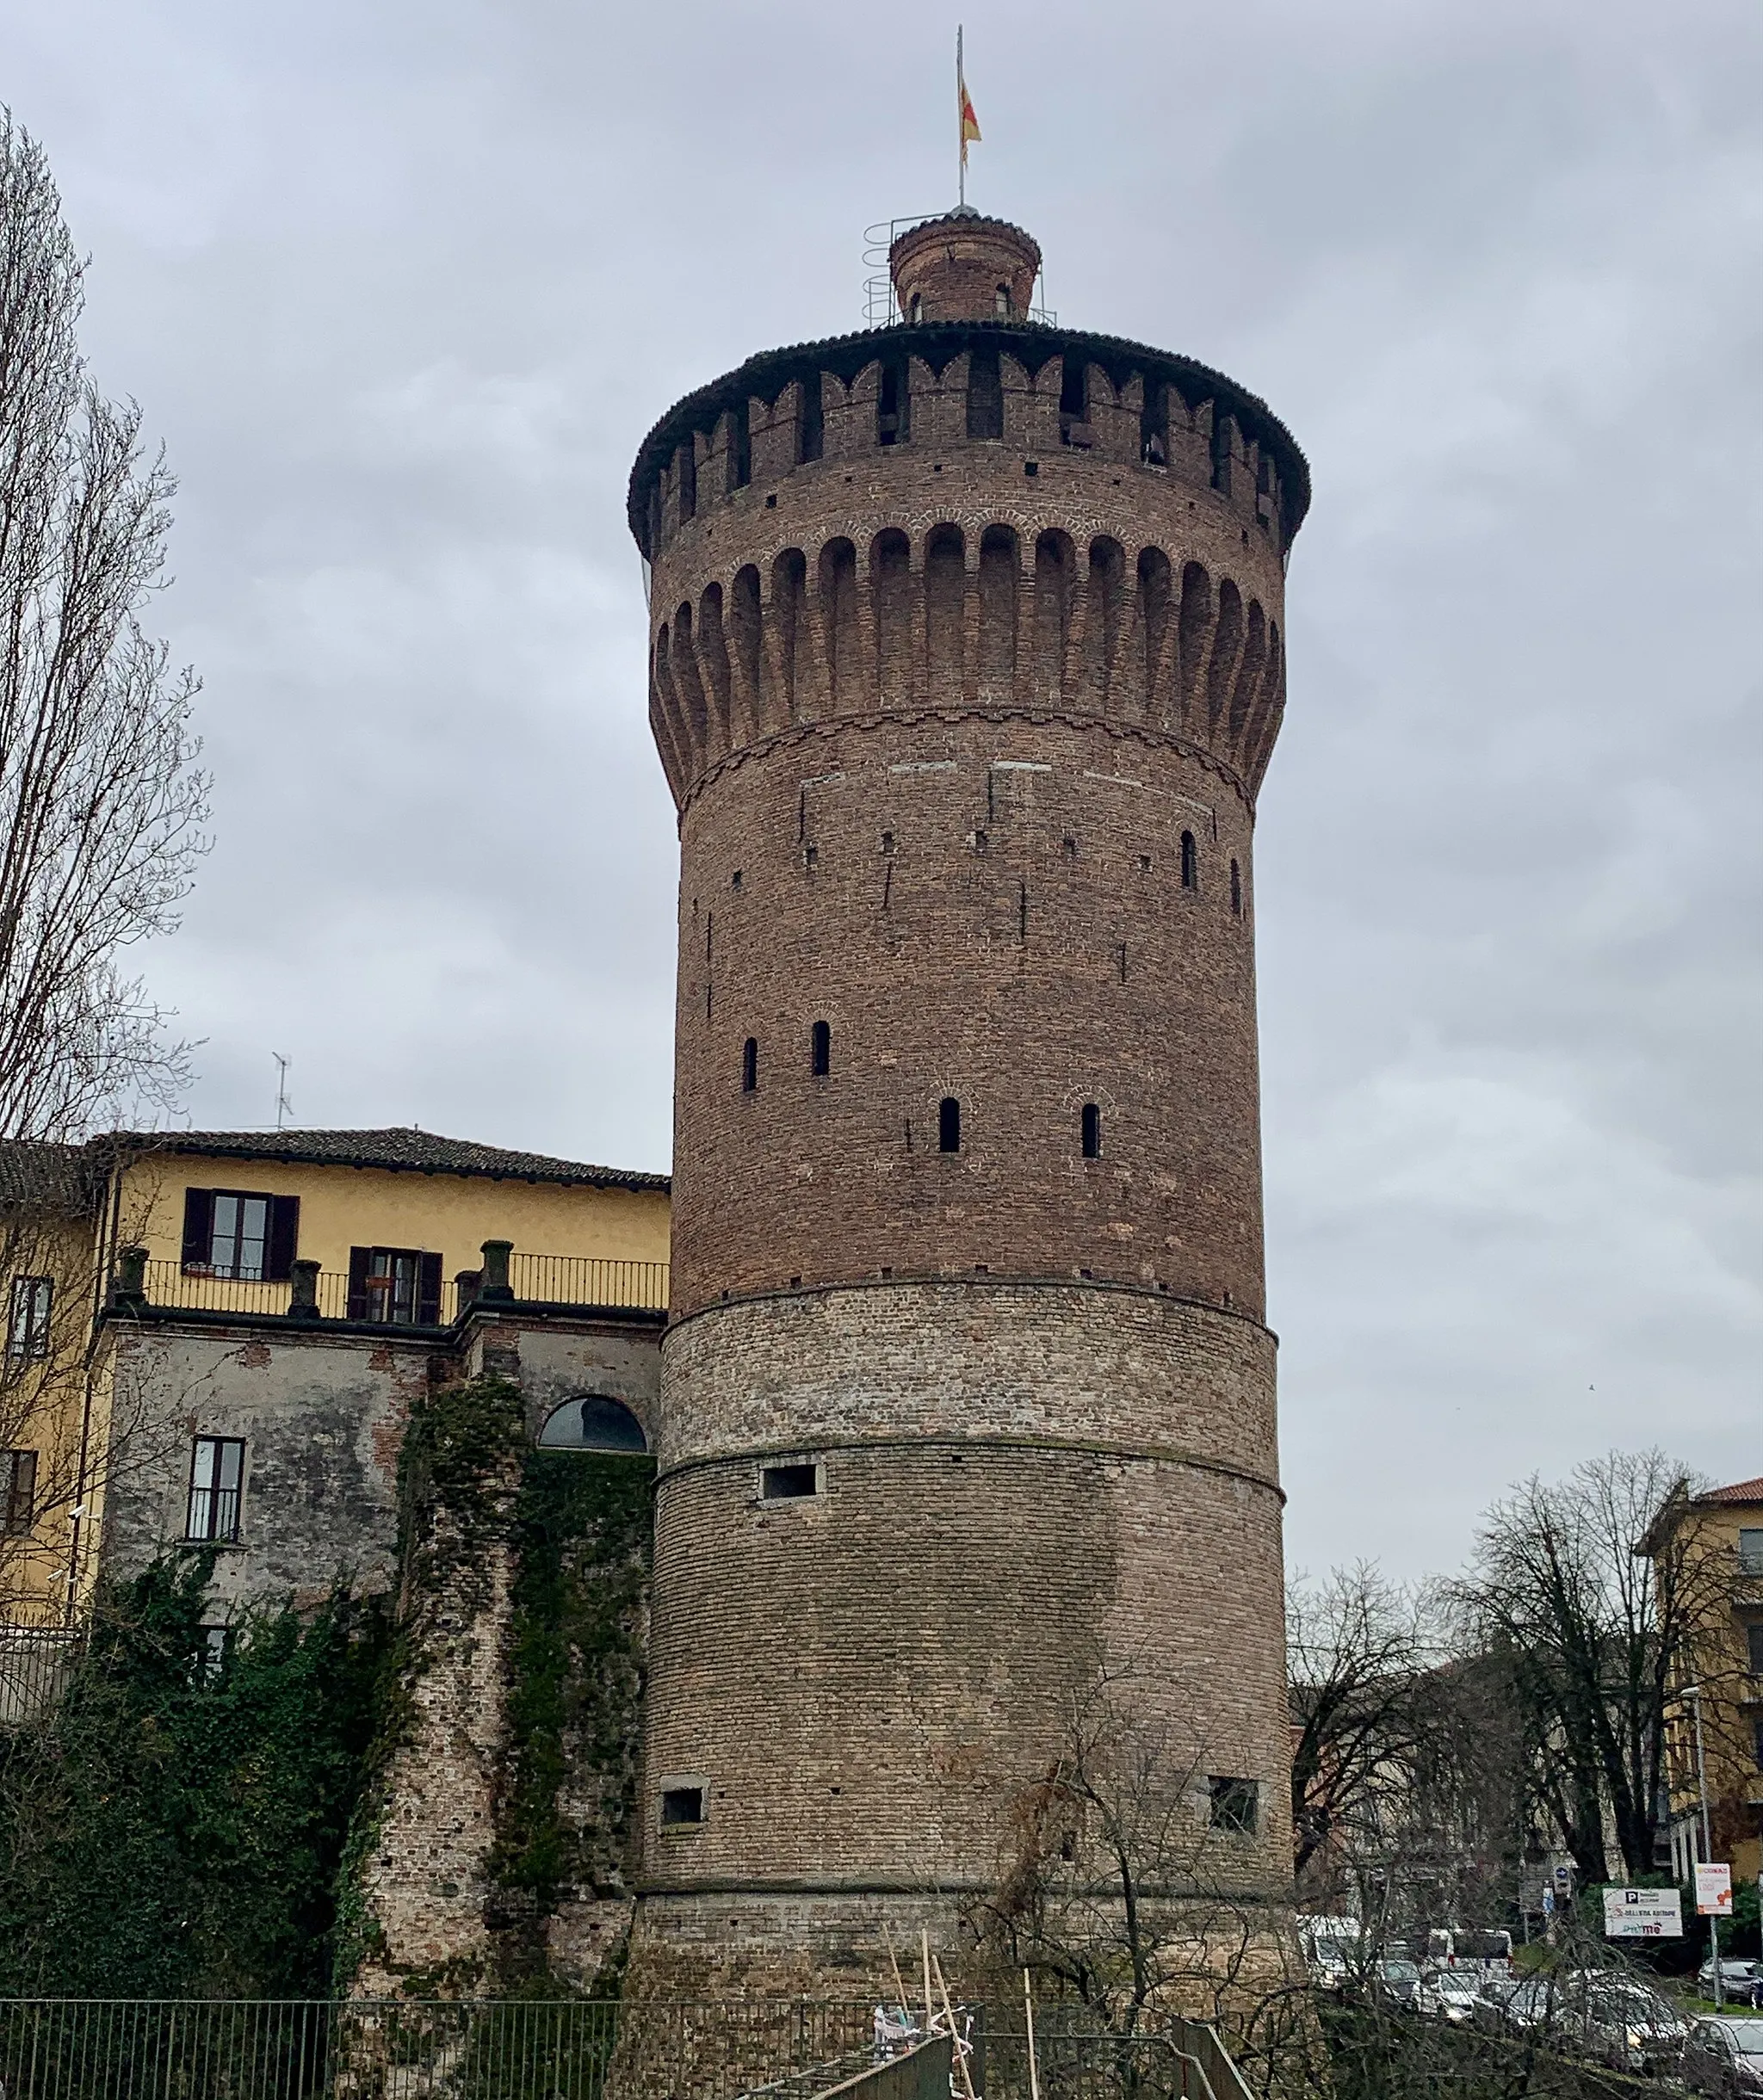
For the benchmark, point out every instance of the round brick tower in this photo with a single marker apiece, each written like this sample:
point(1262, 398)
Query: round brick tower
point(966, 665)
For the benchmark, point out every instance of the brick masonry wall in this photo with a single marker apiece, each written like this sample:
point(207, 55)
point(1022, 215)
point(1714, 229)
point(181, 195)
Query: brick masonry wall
point(965, 734)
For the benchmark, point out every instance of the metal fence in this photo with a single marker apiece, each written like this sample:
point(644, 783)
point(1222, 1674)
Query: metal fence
point(581, 2049)
point(35, 1663)
point(550, 1278)
point(578, 2049)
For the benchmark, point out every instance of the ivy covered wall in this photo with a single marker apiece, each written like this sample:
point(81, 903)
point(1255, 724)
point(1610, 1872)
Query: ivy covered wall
point(425, 1793)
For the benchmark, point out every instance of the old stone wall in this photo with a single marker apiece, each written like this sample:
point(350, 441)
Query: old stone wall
point(322, 1418)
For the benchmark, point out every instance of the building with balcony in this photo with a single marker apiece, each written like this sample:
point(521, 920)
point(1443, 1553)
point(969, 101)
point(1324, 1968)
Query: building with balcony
point(214, 1339)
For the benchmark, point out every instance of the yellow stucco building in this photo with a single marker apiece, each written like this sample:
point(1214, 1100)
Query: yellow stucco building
point(1718, 1535)
point(213, 1338)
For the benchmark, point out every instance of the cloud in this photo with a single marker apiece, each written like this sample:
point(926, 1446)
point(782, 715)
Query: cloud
point(403, 288)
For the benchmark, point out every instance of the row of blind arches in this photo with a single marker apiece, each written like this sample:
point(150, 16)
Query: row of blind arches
point(948, 1109)
point(1128, 634)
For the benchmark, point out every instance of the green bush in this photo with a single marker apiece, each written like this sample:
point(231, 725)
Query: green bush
point(174, 1828)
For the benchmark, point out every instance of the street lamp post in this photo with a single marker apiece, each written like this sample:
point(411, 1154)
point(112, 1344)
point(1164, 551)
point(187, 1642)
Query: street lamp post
point(1693, 1694)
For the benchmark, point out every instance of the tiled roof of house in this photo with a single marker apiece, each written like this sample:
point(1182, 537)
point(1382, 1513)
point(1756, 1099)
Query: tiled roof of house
point(1741, 1491)
point(398, 1150)
point(52, 1179)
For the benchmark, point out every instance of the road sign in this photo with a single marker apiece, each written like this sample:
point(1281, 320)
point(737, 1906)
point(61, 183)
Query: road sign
point(1643, 1914)
point(1714, 1890)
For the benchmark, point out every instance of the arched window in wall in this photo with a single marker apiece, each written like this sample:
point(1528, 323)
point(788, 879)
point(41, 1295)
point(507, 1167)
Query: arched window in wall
point(593, 1422)
point(750, 1065)
point(820, 1049)
point(1091, 1130)
point(949, 1124)
point(1190, 862)
point(1000, 302)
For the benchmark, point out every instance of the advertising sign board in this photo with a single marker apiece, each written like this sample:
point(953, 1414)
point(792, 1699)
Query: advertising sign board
point(1643, 1914)
point(1714, 1890)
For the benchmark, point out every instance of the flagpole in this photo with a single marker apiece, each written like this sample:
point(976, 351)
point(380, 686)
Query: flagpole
point(961, 132)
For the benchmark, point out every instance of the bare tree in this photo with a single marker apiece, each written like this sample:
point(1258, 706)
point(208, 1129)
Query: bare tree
point(1591, 1632)
point(1121, 1887)
point(99, 800)
point(101, 805)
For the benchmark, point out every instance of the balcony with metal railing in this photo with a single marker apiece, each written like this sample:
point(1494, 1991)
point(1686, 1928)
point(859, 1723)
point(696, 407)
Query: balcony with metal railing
point(558, 1281)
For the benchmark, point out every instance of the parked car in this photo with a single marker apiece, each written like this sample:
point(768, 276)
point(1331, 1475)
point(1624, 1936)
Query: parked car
point(1518, 2007)
point(1398, 1980)
point(1724, 2059)
point(1623, 2024)
point(1451, 1994)
point(1740, 1982)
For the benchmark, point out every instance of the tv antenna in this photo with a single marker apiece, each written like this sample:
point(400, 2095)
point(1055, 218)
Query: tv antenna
point(284, 1107)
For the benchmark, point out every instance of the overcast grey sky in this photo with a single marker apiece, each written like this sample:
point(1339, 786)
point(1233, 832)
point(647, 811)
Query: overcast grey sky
point(402, 286)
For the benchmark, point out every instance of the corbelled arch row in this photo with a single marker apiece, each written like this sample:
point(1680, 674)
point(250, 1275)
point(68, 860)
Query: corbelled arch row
point(961, 616)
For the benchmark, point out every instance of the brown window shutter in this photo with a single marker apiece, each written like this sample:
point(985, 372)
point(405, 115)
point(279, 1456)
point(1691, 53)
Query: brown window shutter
point(284, 1238)
point(198, 1227)
point(21, 1491)
point(358, 1259)
point(428, 1292)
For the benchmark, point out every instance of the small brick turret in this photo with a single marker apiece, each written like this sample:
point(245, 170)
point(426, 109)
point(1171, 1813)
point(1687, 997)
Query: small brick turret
point(964, 268)
point(967, 663)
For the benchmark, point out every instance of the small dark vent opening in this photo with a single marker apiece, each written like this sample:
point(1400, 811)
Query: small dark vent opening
point(789, 1483)
point(1190, 862)
point(985, 393)
point(1093, 1130)
point(1236, 890)
point(949, 1124)
point(750, 1065)
point(811, 426)
point(681, 1805)
point(820, 1049)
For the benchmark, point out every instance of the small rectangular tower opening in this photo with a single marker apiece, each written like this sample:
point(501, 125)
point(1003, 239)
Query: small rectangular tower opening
point(789, 1483)
point(680, 1806)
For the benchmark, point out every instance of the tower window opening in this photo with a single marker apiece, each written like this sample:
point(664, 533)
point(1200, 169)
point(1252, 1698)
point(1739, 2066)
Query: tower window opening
point(918, 307)
point(688, 456)
point(1235, 1804)
point(1070, 846)
point(750, 1065)
point(734, 880)
point(811, 422)
point(985, 393)
point(1236, 891)
point(888, 842)
point(891, 406)
point(949, 1124)
point(681, 1805)
point(820, 1049)
point(1190, 862)
point(1000, 302)
point(1093, 1130)
point(740, 449)
point(1154, 425)
point(1073, 398)
point(789, 1483)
